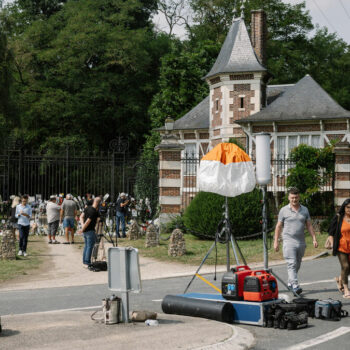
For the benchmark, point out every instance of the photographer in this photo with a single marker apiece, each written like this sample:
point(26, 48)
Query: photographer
point(121, 208)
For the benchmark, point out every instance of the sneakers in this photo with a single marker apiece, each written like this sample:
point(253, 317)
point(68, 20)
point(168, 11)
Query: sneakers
point(50, 242)
point(297, 290)
point(20, 252)
point(25, 254)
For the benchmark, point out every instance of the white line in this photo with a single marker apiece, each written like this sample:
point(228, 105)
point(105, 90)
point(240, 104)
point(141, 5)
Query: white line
point(321, 339)
point(157, 300)
point(315, 282)
point(56, 311)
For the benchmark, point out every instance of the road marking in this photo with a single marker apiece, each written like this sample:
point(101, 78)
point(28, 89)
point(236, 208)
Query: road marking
point(321, 339)
point(315, 282)
point(56, 311)
point(158, 300)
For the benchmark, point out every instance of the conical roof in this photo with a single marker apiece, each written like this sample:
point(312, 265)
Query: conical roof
point(237, 53)
point(306, 100)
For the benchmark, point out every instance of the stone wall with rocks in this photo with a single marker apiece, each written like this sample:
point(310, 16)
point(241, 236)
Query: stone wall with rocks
point(134, 231)
point(177, 245)
point(152, 239)
point(8, 245)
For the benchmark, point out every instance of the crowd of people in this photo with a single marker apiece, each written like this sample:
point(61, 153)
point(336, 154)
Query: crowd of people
point(83, 219)
point(292, 221)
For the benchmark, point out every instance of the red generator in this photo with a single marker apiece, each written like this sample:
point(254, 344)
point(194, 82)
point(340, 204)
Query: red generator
point(233, 281)
point(260, 286)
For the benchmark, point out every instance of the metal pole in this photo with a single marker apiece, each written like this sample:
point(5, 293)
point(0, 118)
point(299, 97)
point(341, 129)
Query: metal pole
point(264, 229)
point(112, 176)
point(227, 229)
point(124, 292)
point(67, 170)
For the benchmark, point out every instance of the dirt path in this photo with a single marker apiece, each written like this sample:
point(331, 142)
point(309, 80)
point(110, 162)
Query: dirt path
point(63, 267)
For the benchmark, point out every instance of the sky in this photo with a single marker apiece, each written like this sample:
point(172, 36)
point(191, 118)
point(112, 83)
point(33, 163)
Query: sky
point(333, 14)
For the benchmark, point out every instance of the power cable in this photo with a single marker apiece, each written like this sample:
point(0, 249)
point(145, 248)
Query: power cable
point(345, 10)
point(325, 17)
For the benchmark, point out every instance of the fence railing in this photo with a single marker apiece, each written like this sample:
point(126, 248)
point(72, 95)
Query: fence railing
point(74, 172)
point(279, 173)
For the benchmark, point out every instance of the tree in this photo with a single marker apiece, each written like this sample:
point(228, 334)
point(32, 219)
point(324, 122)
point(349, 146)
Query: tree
point(89, 70)
point(314, 168)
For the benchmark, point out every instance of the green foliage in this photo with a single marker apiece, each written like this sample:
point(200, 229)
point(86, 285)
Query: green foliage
point(176, 222)
point(314, 168)
point(90, 68)
point(205, 211)
point(146, 185)
point(236, 142)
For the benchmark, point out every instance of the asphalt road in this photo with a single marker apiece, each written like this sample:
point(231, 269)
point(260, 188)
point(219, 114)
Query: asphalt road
point(315, 277)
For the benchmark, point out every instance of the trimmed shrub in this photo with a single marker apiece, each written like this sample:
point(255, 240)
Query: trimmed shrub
point(205, 211)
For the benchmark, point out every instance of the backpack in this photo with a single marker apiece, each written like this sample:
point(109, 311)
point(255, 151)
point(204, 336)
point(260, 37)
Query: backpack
point(98, 266)
point(309, 305)
point(329, 309)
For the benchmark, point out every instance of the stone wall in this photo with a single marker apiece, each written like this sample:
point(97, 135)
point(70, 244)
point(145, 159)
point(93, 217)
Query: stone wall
point(8, 245)
point(177, 245)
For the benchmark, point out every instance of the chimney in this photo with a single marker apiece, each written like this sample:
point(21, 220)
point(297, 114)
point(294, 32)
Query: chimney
point(259, 34)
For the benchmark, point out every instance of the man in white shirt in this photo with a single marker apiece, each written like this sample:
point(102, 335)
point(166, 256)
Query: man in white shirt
point(53, 219)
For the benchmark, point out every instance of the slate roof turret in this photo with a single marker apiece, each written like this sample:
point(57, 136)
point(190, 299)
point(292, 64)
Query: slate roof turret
point(237, 53)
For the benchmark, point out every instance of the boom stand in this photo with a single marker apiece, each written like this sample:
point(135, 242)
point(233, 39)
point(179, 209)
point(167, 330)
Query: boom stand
point(264, 229)
point(226, 231)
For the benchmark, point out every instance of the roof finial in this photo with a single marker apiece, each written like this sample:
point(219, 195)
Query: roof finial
point(234, 11)
point(242, 9)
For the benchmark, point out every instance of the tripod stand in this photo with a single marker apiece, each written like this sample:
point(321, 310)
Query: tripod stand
point(225, 232)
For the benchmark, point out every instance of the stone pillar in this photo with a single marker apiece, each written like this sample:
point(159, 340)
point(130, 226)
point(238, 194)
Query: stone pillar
point(341, 176)
point(8, 245)
point(169, 177)
point(177, 245)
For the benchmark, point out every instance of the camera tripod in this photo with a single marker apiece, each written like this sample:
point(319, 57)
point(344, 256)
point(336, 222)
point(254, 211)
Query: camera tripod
point(226, 233)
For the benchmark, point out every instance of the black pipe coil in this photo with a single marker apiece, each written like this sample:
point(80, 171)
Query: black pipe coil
point(213, 310)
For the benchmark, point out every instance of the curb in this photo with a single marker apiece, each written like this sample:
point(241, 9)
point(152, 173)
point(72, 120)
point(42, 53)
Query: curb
point(241, 339)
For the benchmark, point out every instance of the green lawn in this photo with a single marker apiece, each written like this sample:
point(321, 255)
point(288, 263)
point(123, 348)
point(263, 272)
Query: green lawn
point(22, 265)
point(197, 249)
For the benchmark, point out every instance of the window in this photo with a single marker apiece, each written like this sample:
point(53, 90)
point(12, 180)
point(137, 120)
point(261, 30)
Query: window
point(292, 143)
point(190, 159)
point(281, 147)
point(216, 105)
point(242, 102)
point(315, 141)
point(304, 139)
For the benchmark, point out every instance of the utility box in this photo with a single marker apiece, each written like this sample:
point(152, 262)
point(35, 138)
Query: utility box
point(124, 269)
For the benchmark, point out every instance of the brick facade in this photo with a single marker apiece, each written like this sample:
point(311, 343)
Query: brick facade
point(190, 136)
point(171, 209)
point(216, 113)
point(169, 174)
point(298, 128)
point(262, 128)
point(204, 136)
point(259, 34)
point(241, 76)
point(235, 107)
point(334, 126)
point(170, 156)
point(341, 175)
point(169, 191)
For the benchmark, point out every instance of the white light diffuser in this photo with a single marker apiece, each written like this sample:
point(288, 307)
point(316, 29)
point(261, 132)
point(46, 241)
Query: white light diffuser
point(263, 158)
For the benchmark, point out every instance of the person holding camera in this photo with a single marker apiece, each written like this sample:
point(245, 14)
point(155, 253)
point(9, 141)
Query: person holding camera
point(121, 208)
point(89, 219)
point(23, 214)
point(292, 220)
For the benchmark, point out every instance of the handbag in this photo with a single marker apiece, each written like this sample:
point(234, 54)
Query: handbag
point(328, 244)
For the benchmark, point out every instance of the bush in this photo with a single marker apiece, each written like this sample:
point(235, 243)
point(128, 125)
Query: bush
point(204, 213)
point(176, 222)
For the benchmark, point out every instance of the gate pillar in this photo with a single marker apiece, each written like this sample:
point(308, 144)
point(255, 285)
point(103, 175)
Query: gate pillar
point(341, 175)
point(169, 176)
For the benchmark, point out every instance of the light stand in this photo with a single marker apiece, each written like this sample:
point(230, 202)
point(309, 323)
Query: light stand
point(263, 177)
point(226, 232)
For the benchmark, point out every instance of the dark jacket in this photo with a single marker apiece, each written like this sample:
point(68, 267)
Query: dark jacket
point(334, 230)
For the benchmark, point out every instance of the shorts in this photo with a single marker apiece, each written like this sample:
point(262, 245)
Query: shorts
point(53, 227)
point(68, 222)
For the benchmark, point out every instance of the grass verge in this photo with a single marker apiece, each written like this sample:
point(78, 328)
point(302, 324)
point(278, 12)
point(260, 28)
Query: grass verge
point(36, 249)
point(197, 249)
